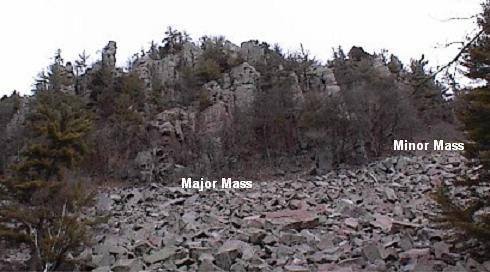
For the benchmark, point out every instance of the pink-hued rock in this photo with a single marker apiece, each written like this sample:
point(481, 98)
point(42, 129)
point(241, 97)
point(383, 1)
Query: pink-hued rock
point(352, 222)
point(293, 219)
point(383, 222)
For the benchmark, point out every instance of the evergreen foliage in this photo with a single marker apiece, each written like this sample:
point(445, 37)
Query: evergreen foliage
point(473, 217)
point(119, 104)
point(427, 93)
point(38, 204)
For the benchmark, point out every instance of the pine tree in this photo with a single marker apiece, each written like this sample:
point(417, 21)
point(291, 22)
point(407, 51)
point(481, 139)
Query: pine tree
point(38, 206)
point(427, 93)
point(474, 217)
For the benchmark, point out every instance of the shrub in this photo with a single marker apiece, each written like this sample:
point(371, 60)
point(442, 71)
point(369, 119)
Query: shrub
point(204, 101)
point(207, 70)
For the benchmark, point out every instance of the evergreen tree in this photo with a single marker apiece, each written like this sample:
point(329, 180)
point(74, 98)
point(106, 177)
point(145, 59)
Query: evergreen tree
point(474, 217)
point(38, 206)
point(427, 93)
point(173, 41)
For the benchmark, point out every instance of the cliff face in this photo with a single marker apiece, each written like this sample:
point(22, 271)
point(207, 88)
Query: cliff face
point(235, 89)
point(196, 102)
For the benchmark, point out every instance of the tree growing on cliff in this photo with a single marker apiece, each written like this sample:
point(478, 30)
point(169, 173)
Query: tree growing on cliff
point(473, 217)
point(38, 205)
point(119, 132)
point(216, 59)
point(173, 41)
point(274, 120)
point(427, 93)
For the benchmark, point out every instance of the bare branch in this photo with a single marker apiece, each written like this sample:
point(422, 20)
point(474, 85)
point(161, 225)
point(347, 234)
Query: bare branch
point(460, 53)
point(459, 18)
point(455, 59)
point(453, 43)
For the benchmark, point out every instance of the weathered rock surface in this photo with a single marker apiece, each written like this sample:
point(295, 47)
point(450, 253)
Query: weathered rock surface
point(109, 54)
point(171, 127)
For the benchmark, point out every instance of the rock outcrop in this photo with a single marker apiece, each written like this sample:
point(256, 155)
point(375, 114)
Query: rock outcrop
point(244, 84)
point(162, 71)
point(18, 119)
point(252, 52)
point(109, 55)
point(322, 78)
point(170, 129)
point(64, 81)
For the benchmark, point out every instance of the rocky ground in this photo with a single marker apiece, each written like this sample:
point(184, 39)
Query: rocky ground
point(376, 218)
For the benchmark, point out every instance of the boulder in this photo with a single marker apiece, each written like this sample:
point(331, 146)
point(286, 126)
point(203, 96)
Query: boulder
point(127, 265)
point(160, 255)
point(293, 219)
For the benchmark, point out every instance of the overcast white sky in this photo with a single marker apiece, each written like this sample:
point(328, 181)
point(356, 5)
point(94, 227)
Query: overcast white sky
point(31, 30)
